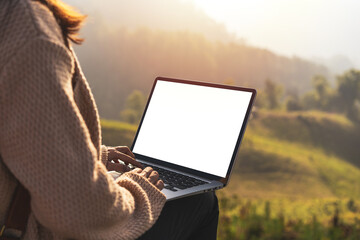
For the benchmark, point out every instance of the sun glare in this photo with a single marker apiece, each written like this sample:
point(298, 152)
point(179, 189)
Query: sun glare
point(321, 28)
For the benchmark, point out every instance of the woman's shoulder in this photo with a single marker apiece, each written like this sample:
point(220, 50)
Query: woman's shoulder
point(22, 21)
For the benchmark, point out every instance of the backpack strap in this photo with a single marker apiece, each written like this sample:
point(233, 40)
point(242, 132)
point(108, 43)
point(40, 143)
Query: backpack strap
point(17, 216)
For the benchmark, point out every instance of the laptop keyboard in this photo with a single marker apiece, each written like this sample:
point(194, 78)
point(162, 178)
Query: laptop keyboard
point(175, 181)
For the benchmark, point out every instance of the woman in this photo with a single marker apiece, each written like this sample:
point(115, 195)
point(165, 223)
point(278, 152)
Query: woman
point(50, 141)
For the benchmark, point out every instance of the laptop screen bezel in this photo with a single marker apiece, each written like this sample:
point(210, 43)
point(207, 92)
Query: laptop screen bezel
point(225, 179)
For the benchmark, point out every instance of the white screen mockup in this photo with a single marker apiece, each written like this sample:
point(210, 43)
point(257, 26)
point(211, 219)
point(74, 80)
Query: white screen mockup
point(193, 126)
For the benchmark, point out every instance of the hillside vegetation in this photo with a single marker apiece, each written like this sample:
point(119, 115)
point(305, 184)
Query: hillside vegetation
point(298, 154)
point(116, 133)
point(296, 176)
point(293, 155)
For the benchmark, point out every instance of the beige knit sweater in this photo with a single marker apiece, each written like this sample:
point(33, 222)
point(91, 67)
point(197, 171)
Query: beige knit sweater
point(50, 139)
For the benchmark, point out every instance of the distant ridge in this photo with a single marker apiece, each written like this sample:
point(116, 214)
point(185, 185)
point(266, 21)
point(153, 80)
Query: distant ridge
point(129, 43)
point(168, 15)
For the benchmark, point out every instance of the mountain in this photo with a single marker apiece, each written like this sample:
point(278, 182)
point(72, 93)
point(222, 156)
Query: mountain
point(129, 43)
point(168, 15)
point(117, 63)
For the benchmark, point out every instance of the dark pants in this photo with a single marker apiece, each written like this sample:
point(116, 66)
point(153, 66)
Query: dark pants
point(194, 217)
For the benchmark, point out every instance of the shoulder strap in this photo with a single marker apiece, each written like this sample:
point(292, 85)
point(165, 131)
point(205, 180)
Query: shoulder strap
point(18, 213)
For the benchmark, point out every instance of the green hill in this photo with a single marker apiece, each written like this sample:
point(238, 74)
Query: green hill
point(293, 155)
point(116, 133)
point(298, 155)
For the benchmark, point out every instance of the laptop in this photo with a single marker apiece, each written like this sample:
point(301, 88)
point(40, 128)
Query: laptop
point(190, 133)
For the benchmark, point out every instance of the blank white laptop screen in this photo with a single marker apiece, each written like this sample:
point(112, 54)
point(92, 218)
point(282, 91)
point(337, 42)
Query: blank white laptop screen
point(193, 126)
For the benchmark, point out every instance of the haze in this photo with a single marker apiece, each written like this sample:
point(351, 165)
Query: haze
point(322, 31)
point(320, 28)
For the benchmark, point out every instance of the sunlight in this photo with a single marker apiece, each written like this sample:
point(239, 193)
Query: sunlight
point(304, 28)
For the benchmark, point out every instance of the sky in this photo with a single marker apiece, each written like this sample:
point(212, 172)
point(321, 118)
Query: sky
point(326, 31)
point(305, 28)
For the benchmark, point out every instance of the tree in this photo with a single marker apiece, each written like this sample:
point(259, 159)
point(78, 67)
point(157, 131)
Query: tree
point(293, 104)
point(348, 91)
point(322, 90)
point(321, 97)
point(273, 94)
point(134, 107)
point(310, 100)
point(260, 101)
point(321, 85)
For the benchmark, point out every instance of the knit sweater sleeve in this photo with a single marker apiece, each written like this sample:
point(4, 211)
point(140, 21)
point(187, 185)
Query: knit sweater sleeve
point(104, 154)
point(45, 143)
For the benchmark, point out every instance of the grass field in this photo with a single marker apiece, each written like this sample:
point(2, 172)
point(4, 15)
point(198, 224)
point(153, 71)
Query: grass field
point(304, 166)
point(284, 219)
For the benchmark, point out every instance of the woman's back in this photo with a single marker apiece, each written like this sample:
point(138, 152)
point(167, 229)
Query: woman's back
point(50, 138)
point(18, 26)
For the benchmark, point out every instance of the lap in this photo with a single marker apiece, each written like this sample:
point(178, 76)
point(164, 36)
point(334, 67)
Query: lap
point(182, 218)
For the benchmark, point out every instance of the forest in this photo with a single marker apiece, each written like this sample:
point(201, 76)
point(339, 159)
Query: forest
point(131, 60)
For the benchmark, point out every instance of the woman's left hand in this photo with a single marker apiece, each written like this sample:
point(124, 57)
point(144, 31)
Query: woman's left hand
point(124, 154)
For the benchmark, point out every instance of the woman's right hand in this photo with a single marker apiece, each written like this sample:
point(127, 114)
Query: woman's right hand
point(125, 156)
point(151, 175)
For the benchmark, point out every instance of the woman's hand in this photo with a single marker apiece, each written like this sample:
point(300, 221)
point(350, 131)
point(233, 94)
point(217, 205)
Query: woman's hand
point(151, 175)
point(123, 154)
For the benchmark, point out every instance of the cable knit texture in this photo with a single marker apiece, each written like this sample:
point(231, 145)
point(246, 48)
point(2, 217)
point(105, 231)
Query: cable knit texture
point(50, 139)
